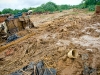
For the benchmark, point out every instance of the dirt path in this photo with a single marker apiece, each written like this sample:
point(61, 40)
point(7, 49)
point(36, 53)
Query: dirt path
point(51, 42)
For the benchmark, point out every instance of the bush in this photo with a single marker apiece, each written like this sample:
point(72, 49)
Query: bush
point(81, 6)
point(39, 10)
point(64, 7)
point(91, 8)
point(98, 3)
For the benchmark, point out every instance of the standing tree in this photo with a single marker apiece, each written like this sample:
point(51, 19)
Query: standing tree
point(90, 2)
point(39, 10)
point(24, 10)
point(7, 10)
point(50, 6)
point(16, 11)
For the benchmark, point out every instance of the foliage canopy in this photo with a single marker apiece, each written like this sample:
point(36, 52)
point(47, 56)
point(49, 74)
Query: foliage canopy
point(51, 7)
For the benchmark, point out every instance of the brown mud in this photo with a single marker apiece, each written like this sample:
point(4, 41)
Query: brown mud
point(56, 34)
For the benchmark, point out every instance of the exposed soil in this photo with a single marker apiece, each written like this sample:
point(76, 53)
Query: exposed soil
point(54, 36)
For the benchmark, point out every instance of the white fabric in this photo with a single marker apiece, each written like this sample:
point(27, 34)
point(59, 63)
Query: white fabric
point(5, 27)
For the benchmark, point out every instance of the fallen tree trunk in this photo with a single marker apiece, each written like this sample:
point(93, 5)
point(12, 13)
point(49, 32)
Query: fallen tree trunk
point(16, 41)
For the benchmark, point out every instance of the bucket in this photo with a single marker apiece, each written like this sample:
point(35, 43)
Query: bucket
point(73, 54)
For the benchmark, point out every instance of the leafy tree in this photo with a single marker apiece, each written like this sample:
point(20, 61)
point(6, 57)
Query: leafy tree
point(31, 8)
point(90, 2)
point(39, 10)
point(50, 6)
point(80, 6)
point(91, 7)
point(98, 3)
point(24, 10)
point(64, 7)
point(16, 11)
point(7, 10)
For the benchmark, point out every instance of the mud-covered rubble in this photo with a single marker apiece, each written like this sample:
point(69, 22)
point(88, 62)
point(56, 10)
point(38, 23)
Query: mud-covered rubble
point(51, 43)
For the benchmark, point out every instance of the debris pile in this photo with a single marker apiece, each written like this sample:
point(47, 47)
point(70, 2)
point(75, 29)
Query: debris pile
point(35, 69)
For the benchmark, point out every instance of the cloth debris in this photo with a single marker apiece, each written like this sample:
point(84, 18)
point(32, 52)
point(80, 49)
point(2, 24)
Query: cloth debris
point(35, 69)
point(89, 71)
point(12, 38)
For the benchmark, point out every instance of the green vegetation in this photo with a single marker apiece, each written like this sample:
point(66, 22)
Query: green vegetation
point(51, 7)
point(39, 10)
point(0, 12)
point(48, 7)
point(98, 3)
point(90, 4)
point(11, 11)
point(91, 7)
point(7, 10)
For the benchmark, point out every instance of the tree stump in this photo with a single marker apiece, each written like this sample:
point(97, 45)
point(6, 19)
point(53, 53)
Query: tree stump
point(97, 9)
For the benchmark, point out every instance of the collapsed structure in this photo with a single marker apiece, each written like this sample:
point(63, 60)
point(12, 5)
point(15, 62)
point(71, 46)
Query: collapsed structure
point(9, 24)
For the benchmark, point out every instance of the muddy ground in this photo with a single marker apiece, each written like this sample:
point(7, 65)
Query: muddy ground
point(54, 36)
